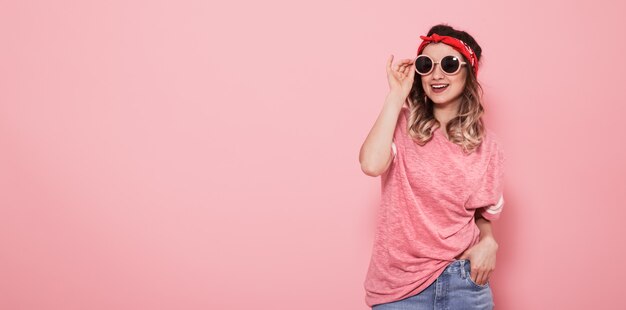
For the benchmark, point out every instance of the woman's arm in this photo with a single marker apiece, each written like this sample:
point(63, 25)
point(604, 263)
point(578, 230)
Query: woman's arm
point(375, 155)
point(486, 230)
point(482, 255)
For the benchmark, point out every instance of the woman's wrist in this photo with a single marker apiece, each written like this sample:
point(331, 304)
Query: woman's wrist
point(396, 98)
point(489, 239)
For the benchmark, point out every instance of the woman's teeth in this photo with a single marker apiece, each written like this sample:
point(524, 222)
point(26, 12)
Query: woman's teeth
point(439, 88)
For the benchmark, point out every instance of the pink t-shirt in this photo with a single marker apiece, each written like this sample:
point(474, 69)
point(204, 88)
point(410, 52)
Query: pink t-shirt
point(426, 216)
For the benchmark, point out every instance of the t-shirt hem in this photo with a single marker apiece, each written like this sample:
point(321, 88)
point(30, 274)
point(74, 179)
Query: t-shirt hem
point(372, 301)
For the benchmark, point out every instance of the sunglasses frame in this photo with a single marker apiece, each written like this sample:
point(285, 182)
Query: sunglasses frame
point(462, 63)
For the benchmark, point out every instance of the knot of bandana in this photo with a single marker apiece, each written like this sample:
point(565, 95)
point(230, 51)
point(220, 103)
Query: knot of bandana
point(455, 43)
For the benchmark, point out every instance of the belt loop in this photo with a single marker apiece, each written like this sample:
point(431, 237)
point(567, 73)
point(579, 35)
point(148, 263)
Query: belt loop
point(463, 269)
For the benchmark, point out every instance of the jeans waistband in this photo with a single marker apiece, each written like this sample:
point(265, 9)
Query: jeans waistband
point(459, 265)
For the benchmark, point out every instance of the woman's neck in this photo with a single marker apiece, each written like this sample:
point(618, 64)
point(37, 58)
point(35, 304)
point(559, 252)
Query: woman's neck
point(444, 112)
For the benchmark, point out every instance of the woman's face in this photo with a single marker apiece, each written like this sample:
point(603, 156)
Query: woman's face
point(456, 82)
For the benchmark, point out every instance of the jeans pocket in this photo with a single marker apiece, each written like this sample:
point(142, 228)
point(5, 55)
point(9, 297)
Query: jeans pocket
point(476, 285)
point(469, 278)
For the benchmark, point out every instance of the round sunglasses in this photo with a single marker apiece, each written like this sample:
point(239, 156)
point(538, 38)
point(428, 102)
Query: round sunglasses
point(450, 64)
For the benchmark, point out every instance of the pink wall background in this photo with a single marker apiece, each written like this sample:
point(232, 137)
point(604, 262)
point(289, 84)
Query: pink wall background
point(204, 155)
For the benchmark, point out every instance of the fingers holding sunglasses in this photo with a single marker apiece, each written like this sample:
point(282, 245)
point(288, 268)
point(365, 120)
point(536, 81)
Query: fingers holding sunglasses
point(407, 66)
point(410, 70)
point(407, 81)
point(400, 75)
point(400, 70)
point(396, 69)
point(407, 74)
point(403, 65)
point(393, 69)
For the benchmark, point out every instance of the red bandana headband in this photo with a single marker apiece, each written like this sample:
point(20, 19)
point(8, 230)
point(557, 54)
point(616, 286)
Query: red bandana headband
point(455, 43)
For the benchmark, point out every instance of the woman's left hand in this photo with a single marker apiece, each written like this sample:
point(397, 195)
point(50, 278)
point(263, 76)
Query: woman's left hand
point(482, 258)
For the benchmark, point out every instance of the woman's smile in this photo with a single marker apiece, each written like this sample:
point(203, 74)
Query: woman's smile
point(439, 88)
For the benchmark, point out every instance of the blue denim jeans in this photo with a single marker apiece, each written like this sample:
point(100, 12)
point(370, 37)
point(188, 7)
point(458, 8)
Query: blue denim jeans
point(453, 289)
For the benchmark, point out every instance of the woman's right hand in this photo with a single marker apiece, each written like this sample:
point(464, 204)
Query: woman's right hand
point(400, 76)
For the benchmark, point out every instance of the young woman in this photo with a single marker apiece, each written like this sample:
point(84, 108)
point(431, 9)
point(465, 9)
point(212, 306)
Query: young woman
point(441, 173)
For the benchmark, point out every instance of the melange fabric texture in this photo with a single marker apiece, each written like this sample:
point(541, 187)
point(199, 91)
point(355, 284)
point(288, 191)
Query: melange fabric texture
point(429, 198)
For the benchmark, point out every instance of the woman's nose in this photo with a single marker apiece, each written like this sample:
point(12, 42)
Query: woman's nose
point(437, 74)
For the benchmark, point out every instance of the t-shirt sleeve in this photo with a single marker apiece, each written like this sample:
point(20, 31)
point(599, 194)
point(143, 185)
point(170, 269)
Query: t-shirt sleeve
point(488, 199)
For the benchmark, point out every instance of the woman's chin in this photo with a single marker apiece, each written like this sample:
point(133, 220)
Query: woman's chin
point(441, 100)
point(437, 100)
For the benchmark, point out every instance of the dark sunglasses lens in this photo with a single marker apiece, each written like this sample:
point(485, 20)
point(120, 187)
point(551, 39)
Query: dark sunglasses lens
point(450, 64)
point(423, 64)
